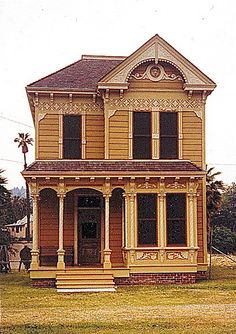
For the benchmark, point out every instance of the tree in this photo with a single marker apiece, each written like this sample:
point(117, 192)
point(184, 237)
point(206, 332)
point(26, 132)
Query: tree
point(19, 207)
point(214, 189)
point(6, 215)
point(24, 140)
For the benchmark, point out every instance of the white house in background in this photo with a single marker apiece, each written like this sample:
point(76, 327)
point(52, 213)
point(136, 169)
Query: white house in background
point(18, 230)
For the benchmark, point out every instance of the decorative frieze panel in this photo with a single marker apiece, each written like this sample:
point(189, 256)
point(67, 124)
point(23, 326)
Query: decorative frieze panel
point(177, 255)
point(156, 73)
point(146, 255)
point(147, 185)
point(71, 107)
point(176, 185)
point(132, 104)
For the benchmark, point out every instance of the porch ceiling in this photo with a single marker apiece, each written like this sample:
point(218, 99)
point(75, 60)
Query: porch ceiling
point(111, 167)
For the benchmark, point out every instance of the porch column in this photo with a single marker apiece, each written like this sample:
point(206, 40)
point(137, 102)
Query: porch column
point(35, 249)
point(162, 224)
point(60, 251)
point(107, 250)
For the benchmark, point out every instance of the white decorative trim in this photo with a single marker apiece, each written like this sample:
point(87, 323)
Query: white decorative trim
point(133, 104)
point(156, 73)
point(73, 108)
point(176, 185)
point(177, 255)
point(41, 116)
point(146, 255)
point(147, 185)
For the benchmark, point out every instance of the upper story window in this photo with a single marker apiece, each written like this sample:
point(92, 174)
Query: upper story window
point(147, 219)
point(142, 136)
point(72, 137)
point(168, 135)
point(176, 219)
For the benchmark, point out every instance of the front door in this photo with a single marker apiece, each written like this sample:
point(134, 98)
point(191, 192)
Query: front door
point(89, 219)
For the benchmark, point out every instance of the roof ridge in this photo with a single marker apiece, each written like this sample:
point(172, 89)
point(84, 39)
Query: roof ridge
point(102, 57)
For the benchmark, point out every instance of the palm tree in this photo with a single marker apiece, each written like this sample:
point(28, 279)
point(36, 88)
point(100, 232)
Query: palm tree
point(24, 140)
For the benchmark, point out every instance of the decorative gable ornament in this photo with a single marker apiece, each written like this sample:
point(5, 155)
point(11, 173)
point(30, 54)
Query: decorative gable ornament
point(156, 50)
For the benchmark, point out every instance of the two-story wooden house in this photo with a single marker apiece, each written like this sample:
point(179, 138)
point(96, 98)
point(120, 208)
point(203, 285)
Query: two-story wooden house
point(118, 183)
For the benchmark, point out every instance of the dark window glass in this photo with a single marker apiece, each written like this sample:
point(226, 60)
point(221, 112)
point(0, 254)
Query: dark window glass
point(176, 219)
point(72, 137)
point(147, 219)
point(168, 135)
point(89, 230)
point(142, 135)
point(89, 202)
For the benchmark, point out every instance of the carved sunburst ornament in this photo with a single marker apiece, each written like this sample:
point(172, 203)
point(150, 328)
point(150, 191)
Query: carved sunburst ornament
point(156, 73)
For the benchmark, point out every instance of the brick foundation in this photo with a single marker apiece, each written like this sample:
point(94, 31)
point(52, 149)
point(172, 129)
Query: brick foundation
point(157, 278)
point(201, 275)
point(43, 283)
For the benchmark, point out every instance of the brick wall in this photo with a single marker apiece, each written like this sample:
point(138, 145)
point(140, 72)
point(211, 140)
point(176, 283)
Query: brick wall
point(160, 278)
point(43, 283)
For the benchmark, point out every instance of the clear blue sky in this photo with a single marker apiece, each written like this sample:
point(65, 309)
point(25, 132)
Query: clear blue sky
point(40, 37)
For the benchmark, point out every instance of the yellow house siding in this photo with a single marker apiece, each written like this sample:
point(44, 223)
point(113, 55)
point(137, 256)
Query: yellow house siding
point(192, 137)
point(118, 135)
point(48, 137)
point(94, 136)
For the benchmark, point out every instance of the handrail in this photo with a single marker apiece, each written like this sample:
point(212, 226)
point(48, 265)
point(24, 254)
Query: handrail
point(219, 251)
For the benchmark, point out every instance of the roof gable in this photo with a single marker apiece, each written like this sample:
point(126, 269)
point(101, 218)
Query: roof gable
point(157, 49)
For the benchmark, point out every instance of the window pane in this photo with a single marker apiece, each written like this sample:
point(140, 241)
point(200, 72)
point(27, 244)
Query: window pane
point(147, 206)
point(176, 219)
point(89, 202)
point(141, 147)
point(147, 219)
point(168, 148)
point(176, 204)
point(176, 232)
point(168, 123)
point(72, 126)
point(142, 123)
point(72, 149)
point(147, 232)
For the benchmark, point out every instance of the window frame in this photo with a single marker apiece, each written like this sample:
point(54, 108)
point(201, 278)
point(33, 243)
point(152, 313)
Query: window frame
point(179, 219)
point(147, 219)
point(149, 136)
point(169, 136)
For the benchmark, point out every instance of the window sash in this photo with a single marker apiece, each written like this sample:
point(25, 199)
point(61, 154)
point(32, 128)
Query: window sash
point(176, 219)
point(142, 137)
point(72, 137)
point(169, 135)
point(147, 219)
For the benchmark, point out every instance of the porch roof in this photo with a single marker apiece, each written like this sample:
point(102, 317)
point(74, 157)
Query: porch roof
point(105, 167)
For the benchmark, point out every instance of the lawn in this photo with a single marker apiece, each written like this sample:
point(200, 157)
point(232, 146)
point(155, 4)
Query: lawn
point(205, 307)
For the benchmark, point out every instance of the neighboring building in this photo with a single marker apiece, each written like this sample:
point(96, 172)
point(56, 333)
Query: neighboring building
point(120, 171)
point(18, 230)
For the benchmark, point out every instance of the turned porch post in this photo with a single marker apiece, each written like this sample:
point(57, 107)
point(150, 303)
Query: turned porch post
point(61, 251)
point(35, 248)
point(107, 250)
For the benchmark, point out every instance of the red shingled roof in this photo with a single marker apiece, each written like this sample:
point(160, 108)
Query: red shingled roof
point(82, 75)
point(110, 166)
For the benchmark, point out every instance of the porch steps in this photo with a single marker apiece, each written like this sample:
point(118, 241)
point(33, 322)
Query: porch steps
point(85, 281)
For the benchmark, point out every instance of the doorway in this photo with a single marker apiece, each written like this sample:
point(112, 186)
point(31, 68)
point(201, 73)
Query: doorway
point(89, 229)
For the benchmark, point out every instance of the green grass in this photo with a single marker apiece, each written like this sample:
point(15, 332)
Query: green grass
point(205, 307)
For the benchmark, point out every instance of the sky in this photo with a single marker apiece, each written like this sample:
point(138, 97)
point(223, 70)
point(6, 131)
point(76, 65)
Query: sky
point(38, 37)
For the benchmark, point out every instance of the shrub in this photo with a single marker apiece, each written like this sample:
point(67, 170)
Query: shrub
point(224, 239)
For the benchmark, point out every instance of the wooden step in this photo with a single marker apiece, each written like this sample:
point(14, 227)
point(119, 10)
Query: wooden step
point(85, 281)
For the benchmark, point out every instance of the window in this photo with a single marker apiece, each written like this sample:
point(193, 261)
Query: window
point(176, 219)
point(142, 135)
point(72, 137)
point(147, 219)
point(168, 135)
